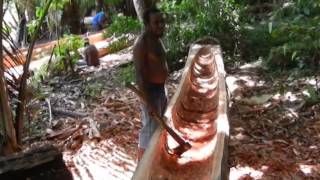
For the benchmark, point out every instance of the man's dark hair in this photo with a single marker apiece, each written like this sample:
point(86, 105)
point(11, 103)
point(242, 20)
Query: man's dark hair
point(147, 14)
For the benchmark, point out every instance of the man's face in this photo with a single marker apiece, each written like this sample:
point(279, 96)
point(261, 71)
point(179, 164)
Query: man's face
point(156, 24)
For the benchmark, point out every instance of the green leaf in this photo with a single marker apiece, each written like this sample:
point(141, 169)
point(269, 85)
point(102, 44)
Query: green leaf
point(285, 47)
point(294, 55)
point(270, 27)
point(306, 11)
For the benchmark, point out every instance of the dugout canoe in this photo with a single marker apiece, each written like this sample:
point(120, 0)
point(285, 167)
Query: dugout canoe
point(44, 49)
point(197, 112)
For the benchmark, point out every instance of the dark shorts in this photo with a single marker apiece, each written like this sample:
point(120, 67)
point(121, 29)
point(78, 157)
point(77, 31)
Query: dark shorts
point(157, 96)
point(97, 27)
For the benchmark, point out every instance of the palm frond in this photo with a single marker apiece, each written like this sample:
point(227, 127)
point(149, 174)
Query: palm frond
point(12, 59)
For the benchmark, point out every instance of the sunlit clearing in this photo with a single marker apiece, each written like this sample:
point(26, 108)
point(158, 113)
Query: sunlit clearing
point(289, 96)
point(239, 172)
point(248, 81)
point(267, 105)
point(239, 136)
point(306, 169)
point(115, 57)
point(277, 96)
point(106, 162)
point(231, 82)
point(311, 81)
point(252, 65)
point(306, 93)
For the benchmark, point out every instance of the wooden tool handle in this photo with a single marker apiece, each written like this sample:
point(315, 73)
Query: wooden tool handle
point(174, 135)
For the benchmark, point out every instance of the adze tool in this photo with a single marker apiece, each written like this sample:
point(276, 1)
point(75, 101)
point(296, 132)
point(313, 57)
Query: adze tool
point(183, 145)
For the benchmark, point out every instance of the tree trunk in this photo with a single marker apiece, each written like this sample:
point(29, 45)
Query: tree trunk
point(142, 5)
point(139, 6)
point(71, 17)
point(5, 110)
point(21, 33)
point(129, 8)
point(99, 5)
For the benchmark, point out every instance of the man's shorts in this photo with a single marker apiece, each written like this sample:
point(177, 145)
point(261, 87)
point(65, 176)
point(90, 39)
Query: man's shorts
point(157, 96)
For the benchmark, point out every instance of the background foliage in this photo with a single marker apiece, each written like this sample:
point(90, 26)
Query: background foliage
point(190, 20)
point(67, 51)
point(287, 37)
point(122, 25)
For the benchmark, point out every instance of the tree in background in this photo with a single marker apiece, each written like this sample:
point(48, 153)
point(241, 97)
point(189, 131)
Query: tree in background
point(71, 17)
point(142, 5)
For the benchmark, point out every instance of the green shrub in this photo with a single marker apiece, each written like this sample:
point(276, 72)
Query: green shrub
point(288, 38)
point(255, 41)
point(295, 35)
point(112, 2)
point(314, 96)
point(122, 25)
point(126, 74)
point(190, 20)
point(67, 52)
point(93, 89)
point(118, 45)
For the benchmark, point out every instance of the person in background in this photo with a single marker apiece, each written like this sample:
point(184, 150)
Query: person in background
point(99, 21)
point(91, 54)
point(151, 68)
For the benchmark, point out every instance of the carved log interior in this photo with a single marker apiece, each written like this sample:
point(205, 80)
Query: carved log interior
point(197, 112)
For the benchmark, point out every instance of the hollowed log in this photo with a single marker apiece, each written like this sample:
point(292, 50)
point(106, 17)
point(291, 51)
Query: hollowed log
point(197, 112)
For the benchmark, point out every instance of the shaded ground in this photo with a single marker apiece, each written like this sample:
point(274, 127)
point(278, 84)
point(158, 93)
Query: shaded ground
point(275, 131)
point(113, 109)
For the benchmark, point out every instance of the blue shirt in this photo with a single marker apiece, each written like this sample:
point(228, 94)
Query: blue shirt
point(98, 19)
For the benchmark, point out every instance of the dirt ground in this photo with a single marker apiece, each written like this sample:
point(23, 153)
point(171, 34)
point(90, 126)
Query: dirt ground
point(274, 132)
point(109, 108)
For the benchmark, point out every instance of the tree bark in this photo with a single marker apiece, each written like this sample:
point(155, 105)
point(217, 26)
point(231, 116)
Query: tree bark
point(71, 17)
point(99, 5)
point(139, 6)
point(142, 5)
point(5, 110)
point(129, 8)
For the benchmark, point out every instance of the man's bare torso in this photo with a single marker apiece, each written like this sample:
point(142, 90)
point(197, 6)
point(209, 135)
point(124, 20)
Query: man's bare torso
point(150, 60)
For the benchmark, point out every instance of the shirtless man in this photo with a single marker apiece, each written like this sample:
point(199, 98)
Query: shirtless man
point(151, 72)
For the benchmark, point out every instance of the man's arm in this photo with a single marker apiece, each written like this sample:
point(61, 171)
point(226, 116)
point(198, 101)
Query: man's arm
point(139, 55)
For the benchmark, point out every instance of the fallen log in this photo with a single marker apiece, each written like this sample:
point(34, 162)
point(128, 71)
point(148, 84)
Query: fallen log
point(41, 50)
point(68, 113)
point(64, 133)
point(198, 112)
point(43, 163)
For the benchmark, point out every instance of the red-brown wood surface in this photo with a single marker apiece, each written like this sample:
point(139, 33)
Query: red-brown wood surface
point(198, 113)
point(193, 116)
point(46, 48)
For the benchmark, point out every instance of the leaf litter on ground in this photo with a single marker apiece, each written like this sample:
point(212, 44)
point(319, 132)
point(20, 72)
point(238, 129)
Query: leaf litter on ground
point(273, 134)
point(98, 120)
